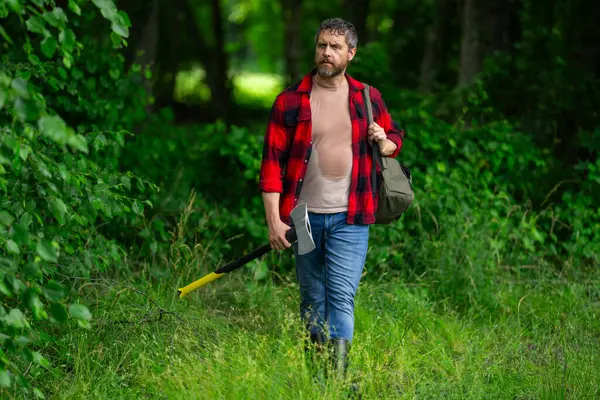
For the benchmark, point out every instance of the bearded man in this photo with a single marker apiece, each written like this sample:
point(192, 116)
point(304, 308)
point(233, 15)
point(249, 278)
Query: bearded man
point(317, 151)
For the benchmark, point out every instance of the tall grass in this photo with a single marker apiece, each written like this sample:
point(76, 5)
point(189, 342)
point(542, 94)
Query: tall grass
point(238, 338)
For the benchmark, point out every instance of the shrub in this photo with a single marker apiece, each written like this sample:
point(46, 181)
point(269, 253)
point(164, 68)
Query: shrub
point(65, 103)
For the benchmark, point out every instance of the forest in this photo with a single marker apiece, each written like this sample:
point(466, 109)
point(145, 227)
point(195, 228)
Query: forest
point(131, 138)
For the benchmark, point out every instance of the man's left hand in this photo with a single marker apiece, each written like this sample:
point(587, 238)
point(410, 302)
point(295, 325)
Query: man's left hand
point(376, 133)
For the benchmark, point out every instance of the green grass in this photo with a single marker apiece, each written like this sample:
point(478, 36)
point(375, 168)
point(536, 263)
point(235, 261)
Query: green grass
point(239, 339)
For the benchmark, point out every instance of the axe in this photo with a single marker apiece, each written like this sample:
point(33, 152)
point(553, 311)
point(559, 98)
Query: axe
point(300, 232)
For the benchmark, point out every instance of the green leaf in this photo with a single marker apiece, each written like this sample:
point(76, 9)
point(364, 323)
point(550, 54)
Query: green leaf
point(58, 312)
point(51, 19)
point(20, 86)
point(33, 59)
point(107, 8)
point(74, 7)
point(6, 37)
point(6, 218)
point(21, 235)
point(35, 24)
point(12, 247)
point(27, 110)
point(68, 60)
point(16, 6)
point(116, 40)
point(54, 128)
point(80, 311)
point(67, 40)
point(26, 219)
point(24, 152)
point(48, 46)
point(97, 204)
point(138, 207)
point(4, 290)
point(59, 209)
point(78, 142)
point(126, 181)
point(120, 25)
point(47, 251)
point(38, 393)
point(5, 378)
point(40, 360)
point(62, 72)
point(17, 285)
point(54, 291)
point(32, 270)
point(60, 15)
point(16, 319)
point(37, 308)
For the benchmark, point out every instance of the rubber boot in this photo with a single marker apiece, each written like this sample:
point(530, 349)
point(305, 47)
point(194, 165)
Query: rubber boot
point(339, 363)
point(315, 353)
point(339, 360)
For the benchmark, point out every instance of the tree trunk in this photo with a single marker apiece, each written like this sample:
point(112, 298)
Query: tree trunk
point(218, 76)
point(211, 51)
point(434, 43)
point(470, 49)
point(487, 27)
point(357, 12)
point(171, 50)
point(292, 17)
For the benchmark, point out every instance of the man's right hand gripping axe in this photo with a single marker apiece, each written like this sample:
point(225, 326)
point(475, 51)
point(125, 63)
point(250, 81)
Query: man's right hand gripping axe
point(300, 232)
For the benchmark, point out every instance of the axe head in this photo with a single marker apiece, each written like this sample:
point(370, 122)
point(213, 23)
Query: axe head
point(299, 216)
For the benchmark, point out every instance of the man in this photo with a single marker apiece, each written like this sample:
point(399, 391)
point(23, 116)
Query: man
point(317, 150)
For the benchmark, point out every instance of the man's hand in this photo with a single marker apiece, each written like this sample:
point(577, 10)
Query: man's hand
point(376, 133)
point(277, 230)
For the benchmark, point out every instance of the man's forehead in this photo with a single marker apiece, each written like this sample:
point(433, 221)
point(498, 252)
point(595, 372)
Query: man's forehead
point(332, 37)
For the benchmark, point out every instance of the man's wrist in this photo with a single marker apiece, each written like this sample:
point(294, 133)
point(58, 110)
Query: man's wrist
point(386, 147)
point(273, 219)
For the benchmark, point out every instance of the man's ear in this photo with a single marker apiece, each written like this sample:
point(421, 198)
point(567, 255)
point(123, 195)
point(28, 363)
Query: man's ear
point(351, 54)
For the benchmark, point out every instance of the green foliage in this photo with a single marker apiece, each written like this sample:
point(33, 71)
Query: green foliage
point(59, 146)
point(241, 340)
point(79, 192)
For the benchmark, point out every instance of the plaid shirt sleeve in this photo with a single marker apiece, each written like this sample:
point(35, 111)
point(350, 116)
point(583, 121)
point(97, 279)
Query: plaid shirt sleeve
point(274, 150)
point(384, 119)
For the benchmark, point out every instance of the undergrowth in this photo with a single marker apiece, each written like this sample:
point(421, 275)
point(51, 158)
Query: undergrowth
point(240, 336)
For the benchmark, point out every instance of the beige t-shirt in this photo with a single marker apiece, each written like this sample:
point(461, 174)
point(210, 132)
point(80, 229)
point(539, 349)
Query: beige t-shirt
point(327, 179)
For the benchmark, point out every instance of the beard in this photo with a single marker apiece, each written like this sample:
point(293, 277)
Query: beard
point(331, 70)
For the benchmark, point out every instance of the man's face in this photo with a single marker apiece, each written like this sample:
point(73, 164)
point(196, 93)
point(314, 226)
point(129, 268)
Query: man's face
point(332, 54)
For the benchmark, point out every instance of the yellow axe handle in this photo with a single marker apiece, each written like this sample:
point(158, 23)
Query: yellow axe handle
point(196, 284)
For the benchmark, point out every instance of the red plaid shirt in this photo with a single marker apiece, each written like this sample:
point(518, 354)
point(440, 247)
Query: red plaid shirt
point(288, 143)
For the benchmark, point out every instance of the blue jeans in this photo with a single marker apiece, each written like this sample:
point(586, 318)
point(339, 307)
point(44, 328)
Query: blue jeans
point(329, 275)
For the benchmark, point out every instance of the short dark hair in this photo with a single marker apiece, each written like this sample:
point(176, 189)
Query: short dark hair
point(339, 27)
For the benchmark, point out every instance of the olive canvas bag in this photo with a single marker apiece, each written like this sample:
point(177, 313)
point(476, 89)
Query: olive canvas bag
point(396, 191)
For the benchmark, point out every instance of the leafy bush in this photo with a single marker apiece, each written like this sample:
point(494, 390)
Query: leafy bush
point(65, 107)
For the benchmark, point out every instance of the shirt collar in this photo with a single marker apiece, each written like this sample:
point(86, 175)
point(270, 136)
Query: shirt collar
point(306, 83)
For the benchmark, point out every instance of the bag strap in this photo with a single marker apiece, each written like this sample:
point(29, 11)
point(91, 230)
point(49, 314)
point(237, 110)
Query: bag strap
point(375, 147)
